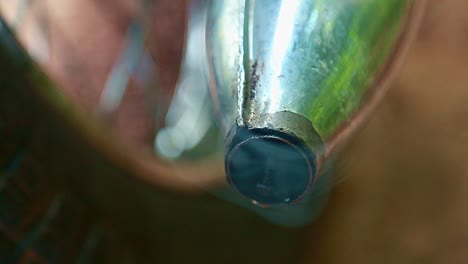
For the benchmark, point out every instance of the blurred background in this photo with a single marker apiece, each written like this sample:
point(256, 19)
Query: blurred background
point(64, 200)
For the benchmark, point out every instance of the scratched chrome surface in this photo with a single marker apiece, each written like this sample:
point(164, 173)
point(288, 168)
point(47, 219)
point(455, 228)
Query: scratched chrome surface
point(310, 57)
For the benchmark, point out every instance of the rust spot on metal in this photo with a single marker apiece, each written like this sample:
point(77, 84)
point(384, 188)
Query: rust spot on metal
point(254, 77)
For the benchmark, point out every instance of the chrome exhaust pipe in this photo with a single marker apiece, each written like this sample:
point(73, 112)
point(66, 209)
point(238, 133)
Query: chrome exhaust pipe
point(291, 79)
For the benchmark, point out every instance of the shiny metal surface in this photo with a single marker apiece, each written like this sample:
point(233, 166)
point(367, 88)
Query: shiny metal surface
point(313, 58)
point(319, 60)
point(189, 116)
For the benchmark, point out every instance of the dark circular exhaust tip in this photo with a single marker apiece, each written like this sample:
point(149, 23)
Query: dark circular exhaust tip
point(268, 166)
